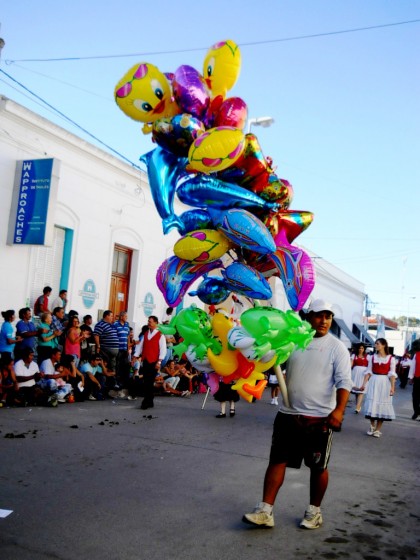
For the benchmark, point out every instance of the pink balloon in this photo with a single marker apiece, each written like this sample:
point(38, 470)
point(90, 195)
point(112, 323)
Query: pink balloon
point(232, 112)
point(213, 382)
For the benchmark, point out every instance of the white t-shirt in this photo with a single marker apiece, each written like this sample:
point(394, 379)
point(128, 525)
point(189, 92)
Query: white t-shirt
point(47, 367)
point(58, 302)
point(314, 375)
point(22, 371)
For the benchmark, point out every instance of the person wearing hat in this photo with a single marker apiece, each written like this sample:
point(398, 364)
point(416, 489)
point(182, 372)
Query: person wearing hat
point(319, 382)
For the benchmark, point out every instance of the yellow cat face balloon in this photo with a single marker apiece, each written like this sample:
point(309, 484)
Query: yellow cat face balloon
point(145, 95)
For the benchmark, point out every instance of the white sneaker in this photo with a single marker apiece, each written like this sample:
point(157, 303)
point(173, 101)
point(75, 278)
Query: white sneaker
point(273, 401)
point(371, 431)
point(259, 517)
point(377, 433)
point(276, 402)
point(91, 398)
point(312, 518)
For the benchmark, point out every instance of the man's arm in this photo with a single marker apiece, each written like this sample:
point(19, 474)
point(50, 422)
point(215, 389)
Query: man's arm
point(97, 341)
point(24, 333)
point(336, 417)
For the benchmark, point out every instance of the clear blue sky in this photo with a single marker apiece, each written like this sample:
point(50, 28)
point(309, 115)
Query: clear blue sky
point(346, 105)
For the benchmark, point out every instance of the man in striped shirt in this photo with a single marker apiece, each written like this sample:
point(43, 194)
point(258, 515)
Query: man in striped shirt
point(123, 365)
point(106, 339)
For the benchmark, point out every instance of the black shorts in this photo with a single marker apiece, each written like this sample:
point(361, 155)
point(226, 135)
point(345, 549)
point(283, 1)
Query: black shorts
point(296, 438)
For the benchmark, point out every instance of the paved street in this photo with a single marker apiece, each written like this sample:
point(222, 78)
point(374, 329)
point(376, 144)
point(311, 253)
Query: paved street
point(105, 480)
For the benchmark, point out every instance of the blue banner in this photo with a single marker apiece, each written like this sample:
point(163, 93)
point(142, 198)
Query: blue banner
point(32, 202)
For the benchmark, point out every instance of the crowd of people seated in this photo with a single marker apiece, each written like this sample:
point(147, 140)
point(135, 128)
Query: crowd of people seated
point(57, 358)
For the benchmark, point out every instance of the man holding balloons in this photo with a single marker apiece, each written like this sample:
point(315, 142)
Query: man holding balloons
point(318, 382)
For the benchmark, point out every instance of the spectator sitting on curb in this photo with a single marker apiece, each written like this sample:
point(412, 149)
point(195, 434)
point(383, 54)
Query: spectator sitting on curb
point(9, 387)
point(89, 369)
point(187, 376)
point(161, 386)
point(27, 373)
point(170, 374)
point(74, 377)
point(52, 381)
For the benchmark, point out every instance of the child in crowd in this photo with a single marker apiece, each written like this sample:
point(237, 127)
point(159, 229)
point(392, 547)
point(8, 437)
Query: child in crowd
point(273, 383)
point(225, 394)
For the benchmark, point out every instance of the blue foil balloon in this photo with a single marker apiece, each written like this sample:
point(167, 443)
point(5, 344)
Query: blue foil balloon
point(242, 279)
point(212, 290)
point(244, 229)
point(175, 276)
point(176, 134)
point(203, 191)
point(195, 219)
point(164, 170)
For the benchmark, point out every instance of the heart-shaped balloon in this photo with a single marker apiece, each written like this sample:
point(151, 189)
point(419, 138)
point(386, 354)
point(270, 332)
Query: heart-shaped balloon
point(232, 112)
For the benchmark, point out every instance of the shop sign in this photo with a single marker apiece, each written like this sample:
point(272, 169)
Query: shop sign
point(32, 203)
point(89, 293)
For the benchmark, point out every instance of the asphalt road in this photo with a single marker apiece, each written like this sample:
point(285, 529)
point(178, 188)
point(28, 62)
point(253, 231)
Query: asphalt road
point(106, 480)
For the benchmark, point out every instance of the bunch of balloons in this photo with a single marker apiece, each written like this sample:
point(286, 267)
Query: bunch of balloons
point(240, 354)
point(240, 223)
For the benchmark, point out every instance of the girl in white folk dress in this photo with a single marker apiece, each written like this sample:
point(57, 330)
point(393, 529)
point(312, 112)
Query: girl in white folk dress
point(359, 364)
point(381, 375)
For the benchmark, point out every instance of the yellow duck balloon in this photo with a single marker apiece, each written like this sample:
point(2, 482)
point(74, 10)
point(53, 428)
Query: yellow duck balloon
point(221, 67)
point(225, 363)
point(144, 94)
point(232, 365)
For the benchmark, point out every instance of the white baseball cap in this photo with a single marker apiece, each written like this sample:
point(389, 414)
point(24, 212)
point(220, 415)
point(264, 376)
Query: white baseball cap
point(320, 305)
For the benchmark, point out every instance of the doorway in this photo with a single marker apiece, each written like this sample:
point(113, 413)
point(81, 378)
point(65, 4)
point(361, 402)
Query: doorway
point(120, 279)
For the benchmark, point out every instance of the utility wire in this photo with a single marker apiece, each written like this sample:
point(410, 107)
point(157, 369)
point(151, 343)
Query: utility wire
point(252, 43)
point(68, 119)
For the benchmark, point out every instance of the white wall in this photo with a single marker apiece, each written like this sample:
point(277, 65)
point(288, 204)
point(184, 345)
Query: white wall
point(102, 199)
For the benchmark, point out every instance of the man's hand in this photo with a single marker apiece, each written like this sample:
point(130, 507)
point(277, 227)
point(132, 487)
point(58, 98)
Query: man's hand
point(335, 419)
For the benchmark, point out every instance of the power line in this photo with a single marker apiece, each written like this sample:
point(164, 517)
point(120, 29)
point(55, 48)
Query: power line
point(68, 119)
point(55, 79)
point(249, 44)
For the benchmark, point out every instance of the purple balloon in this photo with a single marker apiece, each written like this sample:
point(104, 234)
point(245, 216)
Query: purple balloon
point(190, 91)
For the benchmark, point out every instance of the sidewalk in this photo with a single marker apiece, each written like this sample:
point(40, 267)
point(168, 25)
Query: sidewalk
point(105, 480)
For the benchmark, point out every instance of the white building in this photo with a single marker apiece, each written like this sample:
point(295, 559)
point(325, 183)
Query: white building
point(103, 236)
